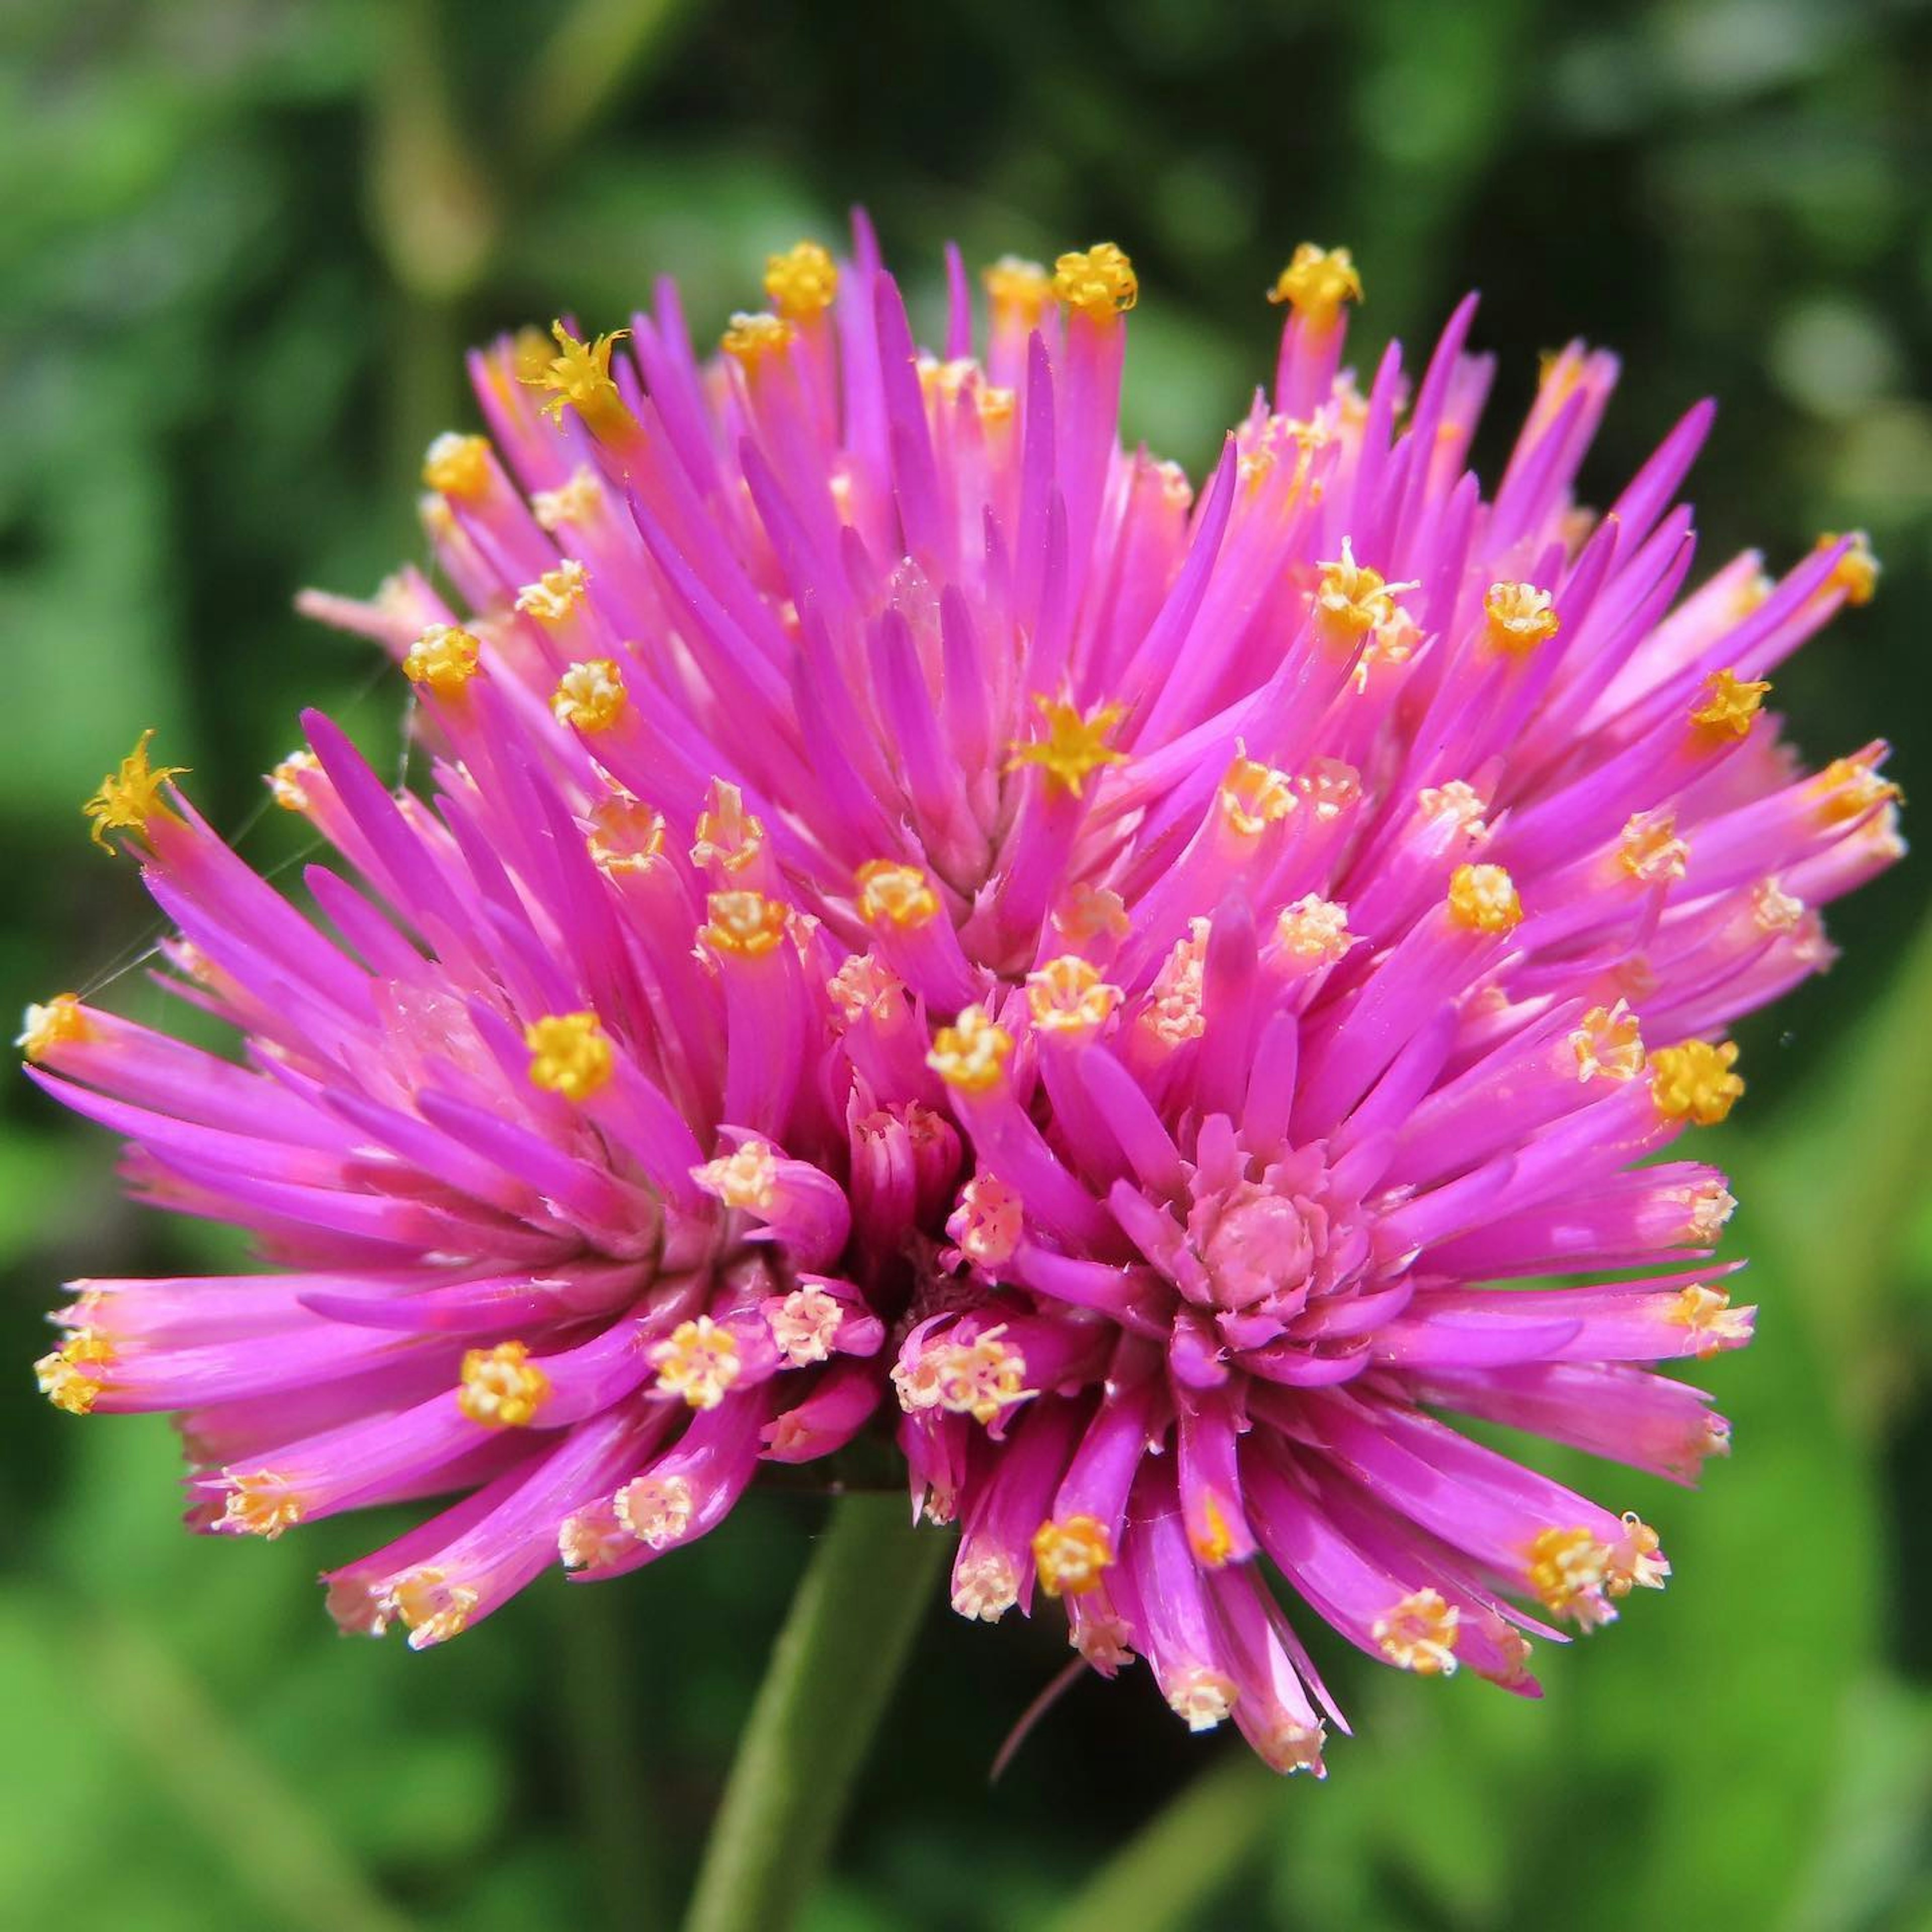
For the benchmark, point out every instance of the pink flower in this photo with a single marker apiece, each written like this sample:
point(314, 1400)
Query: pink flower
point(898, 860)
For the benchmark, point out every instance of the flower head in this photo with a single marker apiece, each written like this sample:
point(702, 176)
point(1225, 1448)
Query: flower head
point(957, 884)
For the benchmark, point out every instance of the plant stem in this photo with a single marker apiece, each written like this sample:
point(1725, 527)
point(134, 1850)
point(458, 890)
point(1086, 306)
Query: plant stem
point(845, 1639)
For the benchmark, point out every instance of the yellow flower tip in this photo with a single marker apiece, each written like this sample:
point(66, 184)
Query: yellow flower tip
point(1071, 1555)
point(699, 1360)
point(431, 1609)
point(576, 500)
point(1637, 1559)
point(802, 281)
point(746, 1178)
point(1729, 705)
point(1203, 1698)
point(1483, 899)
point(892, 894)
point(501, 1388)
point(1075, 747)
point(1254, 796)
point(66, 1377)
point(129, 799)
point(1313, 931)
point(578, 376)
point(289, 782)
point(1608, 1045)
point(726, 834)
point(259, 1503)
point(1518, 617)
point(1215, 1543)
point(1418, 1633)
point(1713, 1322)
point(445, 658)
point(571, 1055)
point(1099, 281)
point(1317, 282)
point(1857, 572)
point(1019, 291)
point(745, 925)
point(1067, 997)
point(1849, 788)
point(59, 1022)
point(624, 835)
point(556, 593)
point(971, 1054)
point(753, 339)
point(1352, 599)
point(590, 696)
point(458, 466)
point(1693, 1081)
point(1649, 849)
point(1567, 1569)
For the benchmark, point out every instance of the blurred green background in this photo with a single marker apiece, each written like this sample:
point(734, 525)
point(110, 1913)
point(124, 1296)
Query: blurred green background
point(241, 247)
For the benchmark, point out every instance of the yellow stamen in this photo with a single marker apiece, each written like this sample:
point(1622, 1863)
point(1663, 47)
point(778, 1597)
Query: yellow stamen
point(751, 339)
point(656, 1510)
point(432, 1609)
point(984, 1588)
point(726, 835)
point(59, 1022)
point(590, 696)
point(1649, 849)
point(971, 1054)
point(556, 593)
point(1204, 1697)
point(1070, 1556)
point(574, 502)
point(1019, 290)
point(1773, 909)
point(1459, 803)
point(1216, 1544)
point(1254, 796)
point(1091, 912)
point(288, 784)
point(66, 1377)
point(1067, 997)
point(747, 1178)
point(1708, 1313)
point(1317, 281)
point(1730, 703)
point(1567, 1569)
point(260, 1503)
point(130, 798)
point(501, 1388)
point(805, 1324)
point(1635, 1560)
point(458, 466)
point(1857, 572)
point(1314, 931)
point(578, 376)
point(626, 835)
point(1483, 899)
point(802, 281)
point(1693, 1081)
point(1099, 281)
point(1352, 599)
point(1518, 617)
point(1074, 746)
point(1418, 1633)
point(1849, 788)
point(746, 924)
point(1608, 1044)
point(444, 658)
point(699, 1362)
point(892, 894)
point(570, 1055)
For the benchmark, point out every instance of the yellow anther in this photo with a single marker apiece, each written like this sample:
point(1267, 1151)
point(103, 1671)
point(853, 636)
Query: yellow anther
point(570, 1053)
point(1216, 1544)
point(1849, 788)
point(1068, 997)
point(444, 658)
point(1709, 1205)
point(1518, 617)
point(802, 281)
point(995, 405)
point(130, 798)
point(458, 466)
point(892, 894)
point(981, 1377)
point(746, 924)
point(1635, 1559)
point(698, 1361)
point(1418, 1633)
point(1483, 899)
point(1730, 703)
point(746, 1177)
point(1351, 599)
point(574, 502)
point(433, 1609)
point(501, 1388)
point(984, 1588)
point(866, 987)
point(288, 783)
point(590, 696)
point(1099, 281)
point(1567, 1569)
point(805, 1324)
point(1458, 801)
point(1314, 931)
point(1773, 909)
point(1019, 290)
point(1318, 281)
point(1708, 1313)
point(59, 1022)
point(1204, 1698)
point(626, 835)
point(1075, 745)
point(1091, 912)
point(68, 1377)
point(1173, 1013)
point(988, 1221)
point(1254, 796)
point(971, 1054)
point(590, 1537)
point(1857, 572)
point(656, 1510)
point(578, 376)
point(1608, 1044)
point(754, 338)
point(726, 835)
point(260, 1503)
point(556, 593)
point(1693, 1081)
point(1649, 849)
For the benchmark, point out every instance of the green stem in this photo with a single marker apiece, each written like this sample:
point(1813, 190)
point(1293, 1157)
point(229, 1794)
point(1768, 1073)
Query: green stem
point(832, 1671)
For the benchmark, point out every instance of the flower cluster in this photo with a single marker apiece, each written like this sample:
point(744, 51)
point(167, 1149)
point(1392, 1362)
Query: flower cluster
point(918, 914)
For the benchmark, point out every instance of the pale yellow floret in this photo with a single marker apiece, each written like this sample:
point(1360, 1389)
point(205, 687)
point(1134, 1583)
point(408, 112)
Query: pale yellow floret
point(988, 1221)
point(1518, 617)
point(1075, 745)
point(866, 987)
point(1019, 290)
point(1460, 803)
point(745, 925)
point(458, 466)
point(556, 593)
point(1204, 1698)
point(1848, 788)
point(1091, 912)
point(1729, 705)
point(1314, 931)
point(1067, 997)
point(570, 1055)
point(726, 834)
point(1608, 1044)
point(1254, 796)
point(1857, 572)
point(626, 835)
point(1567, 1569)
point(432, 1609)
point(699, 1361)
point(1693, 1081)
point(1484, 899)
point(802, 281)
point(1352, 598)
point(805, 1324)
point(1173, 1014)
point(1649, 849)
point(444, 657)
point(1708, 1313)
point(1636, 1561)
point(130, 798)
point(591, 1538)
point(896, 895)
point(1773, 909)
point(971, 1054)
point(1418, 1633)
point(576, 501)
point(984, 1588)
point(1099, 281)
point(578, 376)
point(753, 339)
point(59, 1022)
point(747, 1178)
point(68, 1378)
point(259, 1503)
point(501, 1388)
point(288, 783)
point(656, 1510)
point(1071, 1555)
point(1710, 1204)
point(1317, 282)
point(590, 696)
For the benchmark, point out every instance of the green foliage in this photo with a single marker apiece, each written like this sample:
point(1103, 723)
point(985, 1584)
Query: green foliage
point(242, 248)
